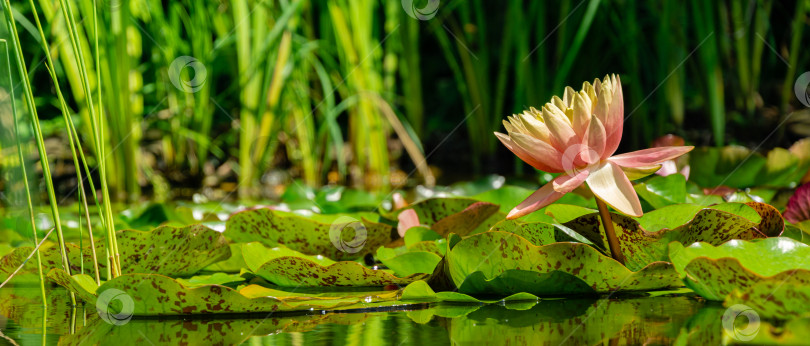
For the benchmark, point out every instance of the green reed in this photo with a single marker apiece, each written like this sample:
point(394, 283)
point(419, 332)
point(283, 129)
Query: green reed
point(23, 172)
point(40, 142)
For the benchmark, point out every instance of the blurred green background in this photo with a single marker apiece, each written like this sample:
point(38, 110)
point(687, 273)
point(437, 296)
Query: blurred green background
point(243, 97)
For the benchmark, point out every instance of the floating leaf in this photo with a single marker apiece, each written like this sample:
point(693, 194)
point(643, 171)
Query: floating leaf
point(562, 213)
point(575, 321)
point(420, 291)
point(539, 233)
point(715, 271)
point(165, 250)
point(459, 215)
point(715, 325)
point(783, 296)
point(230, 280)
point(467, 221)
point(408, 263)
point(230, 265)
point(641, 247)
point(661, 191)
point(504, 263)
point(338, 237)
point(296, 270)
point(255, 255)
point(157, 295)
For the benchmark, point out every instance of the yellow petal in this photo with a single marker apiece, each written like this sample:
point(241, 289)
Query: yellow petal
point(589, 91)
point(609, 184)
point(636, 173)
point(559, 103)
point(562, 135)
point(568, 96)
point(582, 114)
point(534, 127)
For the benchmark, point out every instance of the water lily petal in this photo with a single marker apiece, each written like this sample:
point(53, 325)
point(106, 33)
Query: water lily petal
point(667, 168)
point(604, 95)
point(614, 119)
point(568, 97)
point(548, 194)
point(798, 207)
point(582, 115)
point(567, 183)
point(562, 134)
point(559, 102)
point(648, 157)
point(596, 139)
point(543, 156)
point(609, 184)
point(534, 126)
point(636, 173)
point(407, 219)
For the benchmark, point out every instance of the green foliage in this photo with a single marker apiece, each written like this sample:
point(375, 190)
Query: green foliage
point(165, 250)
point(311, 235)
point(740, 167)
point(769, 275)
point(504, 263)
point(157, 295)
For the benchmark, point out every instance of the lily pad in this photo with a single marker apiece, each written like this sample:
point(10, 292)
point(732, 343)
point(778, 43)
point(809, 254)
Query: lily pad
point(641, 247)
point(714, 272)
point(409, 262)
point(540, 233)
point(165, 250)
point(158, 295)
point(339, 237)
point(288, 269)
point(421, 291)
point(661, 191)
point(575, 321)
point(503, 263)
point(457, 215)
point(782, 297)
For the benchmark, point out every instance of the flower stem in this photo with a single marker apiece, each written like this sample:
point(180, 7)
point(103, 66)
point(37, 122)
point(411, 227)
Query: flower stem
point(607, 222)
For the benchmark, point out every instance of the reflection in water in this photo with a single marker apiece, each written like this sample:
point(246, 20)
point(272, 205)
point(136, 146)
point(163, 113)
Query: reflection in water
point(630, 320)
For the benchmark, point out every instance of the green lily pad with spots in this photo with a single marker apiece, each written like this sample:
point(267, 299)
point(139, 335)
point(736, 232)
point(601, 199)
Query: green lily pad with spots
point(458, 215)
point(420, 291)
point(784, 297)
point(165, 250)
point(661, 191)
point(336, 236)
point(562, 213)
point(158, 295)
point(773, 270)
point(540, 233)
point(405, 263)
point(680, 223)
point(504, 263)
point(224, 279)
point(287, 268)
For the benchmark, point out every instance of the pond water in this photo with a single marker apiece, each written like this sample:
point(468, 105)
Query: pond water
point(645, 319)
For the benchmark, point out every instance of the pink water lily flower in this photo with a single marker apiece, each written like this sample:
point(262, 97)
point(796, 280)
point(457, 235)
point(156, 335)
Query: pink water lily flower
point(576, 135)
